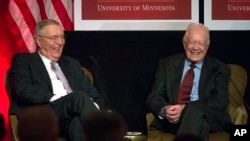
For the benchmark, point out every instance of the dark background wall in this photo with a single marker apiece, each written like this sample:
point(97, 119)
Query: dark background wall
point(123, 62)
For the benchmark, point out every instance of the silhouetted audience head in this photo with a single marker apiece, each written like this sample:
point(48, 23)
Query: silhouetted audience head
point(38, 123)
point(187, 137)
point(105, 126)
point(2, 127)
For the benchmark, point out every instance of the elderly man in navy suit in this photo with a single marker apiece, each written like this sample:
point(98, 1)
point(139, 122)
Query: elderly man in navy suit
point(204, 109)
point(34, 81)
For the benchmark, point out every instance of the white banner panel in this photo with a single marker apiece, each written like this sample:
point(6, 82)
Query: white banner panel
point(135, 14)
point(227, 14)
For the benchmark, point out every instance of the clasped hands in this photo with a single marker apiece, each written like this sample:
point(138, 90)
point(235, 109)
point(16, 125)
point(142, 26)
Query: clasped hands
point(173, 112)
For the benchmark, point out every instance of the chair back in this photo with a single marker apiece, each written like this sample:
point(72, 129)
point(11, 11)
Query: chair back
point(89, 75)
point(236, 89)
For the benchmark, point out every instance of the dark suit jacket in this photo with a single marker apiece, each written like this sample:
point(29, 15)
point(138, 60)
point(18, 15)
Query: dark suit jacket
point(213, 89)
point(30, 82)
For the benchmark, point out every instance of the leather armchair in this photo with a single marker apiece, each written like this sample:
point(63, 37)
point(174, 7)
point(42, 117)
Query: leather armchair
point(13, 118)
point(236, 108)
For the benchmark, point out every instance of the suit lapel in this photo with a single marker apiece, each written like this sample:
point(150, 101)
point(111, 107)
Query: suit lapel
point(65, 69)
point(205, 76)
point(176, 75)
point(38, 63)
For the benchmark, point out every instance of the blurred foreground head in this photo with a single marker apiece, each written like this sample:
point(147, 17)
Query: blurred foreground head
point(187, 137)
point(2, 127)
point(38, 123)
point(105, 126)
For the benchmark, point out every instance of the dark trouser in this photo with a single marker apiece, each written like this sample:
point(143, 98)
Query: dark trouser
point(71, 110)
point(194, 122)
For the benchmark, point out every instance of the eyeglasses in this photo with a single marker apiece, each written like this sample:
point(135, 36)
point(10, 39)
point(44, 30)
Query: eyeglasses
point(54, 38)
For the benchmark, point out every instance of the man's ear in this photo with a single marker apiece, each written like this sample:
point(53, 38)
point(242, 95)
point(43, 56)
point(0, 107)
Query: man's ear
point(37, 40)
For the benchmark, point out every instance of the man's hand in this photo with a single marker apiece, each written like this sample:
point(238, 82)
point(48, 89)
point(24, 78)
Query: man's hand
point(173, 112)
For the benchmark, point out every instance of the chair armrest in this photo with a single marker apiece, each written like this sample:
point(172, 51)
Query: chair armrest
point(240, 116)
point(149, 117)
point(14, 122)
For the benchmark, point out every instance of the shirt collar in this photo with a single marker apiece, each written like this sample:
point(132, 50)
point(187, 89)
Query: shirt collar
point(45, 60)
point(197, 65)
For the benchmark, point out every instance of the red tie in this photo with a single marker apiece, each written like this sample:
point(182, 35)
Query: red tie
point(186, 86)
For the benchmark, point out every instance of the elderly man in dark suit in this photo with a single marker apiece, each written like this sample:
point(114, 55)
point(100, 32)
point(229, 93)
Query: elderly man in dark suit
point(204, 109)
point(61, 85)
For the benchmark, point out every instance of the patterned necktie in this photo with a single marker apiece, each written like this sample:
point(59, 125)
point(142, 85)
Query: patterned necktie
point(186, 86)
point(61, 76)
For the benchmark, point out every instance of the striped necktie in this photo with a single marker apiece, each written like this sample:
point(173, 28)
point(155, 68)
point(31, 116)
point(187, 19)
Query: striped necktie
point(60, 76)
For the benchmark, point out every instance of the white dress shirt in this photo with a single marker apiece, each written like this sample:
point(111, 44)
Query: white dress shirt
point(57, 85)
